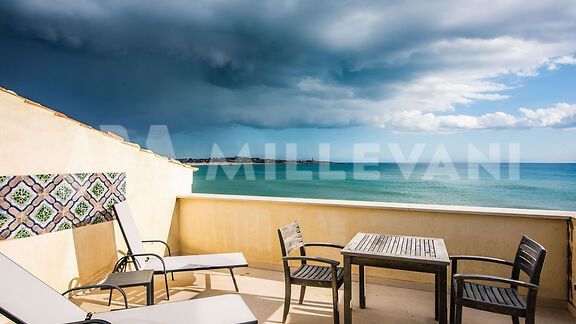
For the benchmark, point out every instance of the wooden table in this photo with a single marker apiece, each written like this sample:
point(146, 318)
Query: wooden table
point(133, 279)
point(419, 254)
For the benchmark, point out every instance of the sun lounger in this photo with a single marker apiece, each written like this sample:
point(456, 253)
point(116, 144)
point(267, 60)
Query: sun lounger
point(169, 264)
point(26, 299)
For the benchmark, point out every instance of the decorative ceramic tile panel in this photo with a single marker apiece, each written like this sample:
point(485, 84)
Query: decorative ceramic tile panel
point(43, 203)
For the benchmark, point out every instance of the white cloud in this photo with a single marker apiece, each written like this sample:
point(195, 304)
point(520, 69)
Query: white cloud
point(462, 67)
point(460, 79)
point(561, 115)
point(524, 39)
point(563, 60)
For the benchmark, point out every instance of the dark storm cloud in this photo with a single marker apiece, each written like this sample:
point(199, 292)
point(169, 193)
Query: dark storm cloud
point(272, 64)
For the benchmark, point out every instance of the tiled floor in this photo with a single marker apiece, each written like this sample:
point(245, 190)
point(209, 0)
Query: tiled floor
point(263, 291)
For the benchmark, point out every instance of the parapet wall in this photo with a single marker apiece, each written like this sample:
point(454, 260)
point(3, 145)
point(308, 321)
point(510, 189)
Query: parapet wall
point(220, 223)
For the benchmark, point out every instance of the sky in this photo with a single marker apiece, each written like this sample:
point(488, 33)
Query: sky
point(446, 74)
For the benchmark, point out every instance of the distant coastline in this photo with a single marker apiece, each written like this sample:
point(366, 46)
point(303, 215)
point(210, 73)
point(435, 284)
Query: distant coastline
point(238, 160)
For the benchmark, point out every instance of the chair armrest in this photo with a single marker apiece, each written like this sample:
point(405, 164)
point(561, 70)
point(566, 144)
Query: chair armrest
point(159, 241)
point(456, 258)
point(131, 256)
point(91, 321)
point(332, 245)
point(462, 277)
point(101, 286)
point(309, 258)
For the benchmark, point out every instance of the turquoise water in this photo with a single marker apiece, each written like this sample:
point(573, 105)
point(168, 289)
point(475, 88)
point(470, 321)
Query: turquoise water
point(535, 186)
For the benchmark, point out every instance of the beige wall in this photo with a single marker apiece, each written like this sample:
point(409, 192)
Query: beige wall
point(35, 140)
point(214, 223)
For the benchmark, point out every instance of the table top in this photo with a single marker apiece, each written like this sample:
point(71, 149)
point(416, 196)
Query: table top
point(130, 278)
point(425, 250)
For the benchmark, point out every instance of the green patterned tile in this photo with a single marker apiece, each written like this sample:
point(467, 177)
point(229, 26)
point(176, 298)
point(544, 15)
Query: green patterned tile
point(98, 219)
point(97, 189)
point(43, 178)
point(22, 233)
point(21, 196)
point(63, 193)
point(111, 202)
point(112, 176)
point(44, 213)
point(81, 209)
point(82, 177)
point(64, 226)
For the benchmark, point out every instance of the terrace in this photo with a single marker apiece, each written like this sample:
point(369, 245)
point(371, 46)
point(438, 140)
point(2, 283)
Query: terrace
point(158, 189)
point(393, 296)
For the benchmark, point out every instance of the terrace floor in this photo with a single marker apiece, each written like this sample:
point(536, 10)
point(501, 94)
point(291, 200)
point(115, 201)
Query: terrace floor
point(263, 291)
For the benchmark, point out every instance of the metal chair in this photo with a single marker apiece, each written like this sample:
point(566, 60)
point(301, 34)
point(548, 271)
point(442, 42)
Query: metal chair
point(330, 276)
point(497, 299)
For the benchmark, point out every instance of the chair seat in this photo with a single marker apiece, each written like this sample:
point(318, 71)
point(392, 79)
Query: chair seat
point(319, 274)
point(478, 295)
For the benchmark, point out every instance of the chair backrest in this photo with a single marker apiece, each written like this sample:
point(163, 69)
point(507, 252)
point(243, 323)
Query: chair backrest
point(529, 259)
point(130, 231)
point(291, 239)
point(26, 299)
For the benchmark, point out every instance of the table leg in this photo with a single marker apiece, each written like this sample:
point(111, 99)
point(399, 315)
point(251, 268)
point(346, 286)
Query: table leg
point(436, 295)
point(150, 292)
point(347, 290)
point(362, 286)
point(443, 304)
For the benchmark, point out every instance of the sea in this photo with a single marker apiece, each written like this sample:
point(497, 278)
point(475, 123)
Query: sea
point(550, 186)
